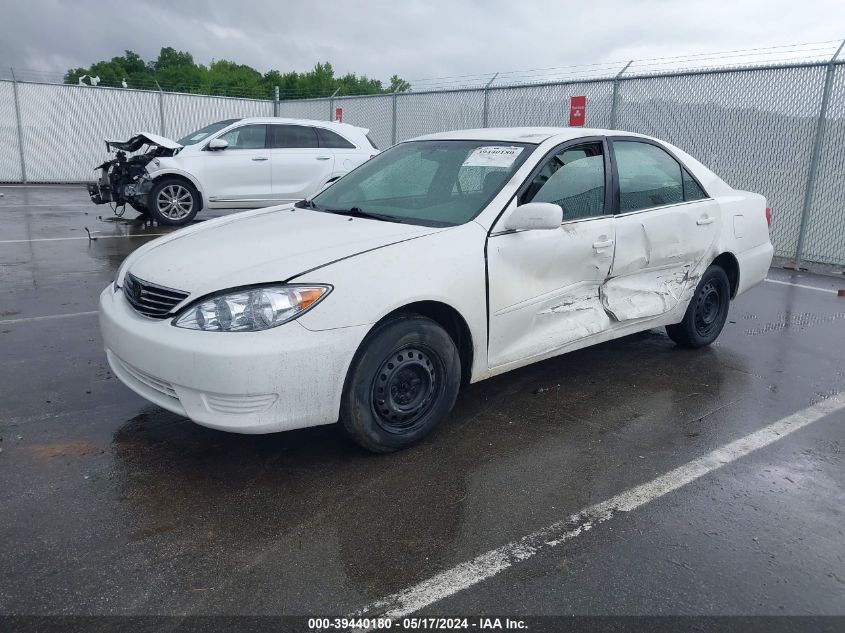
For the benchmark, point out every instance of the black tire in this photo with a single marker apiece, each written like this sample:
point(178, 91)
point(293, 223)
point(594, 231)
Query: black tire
point(403, 381)
point(173, 201)
point(707, 311)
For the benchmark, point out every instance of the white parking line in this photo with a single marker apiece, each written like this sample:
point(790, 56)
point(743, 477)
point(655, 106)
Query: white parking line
point(487, 565)
point(66, 186)
point(47, 318)
point(94, 236)
point(789, 283)
point(62, 205)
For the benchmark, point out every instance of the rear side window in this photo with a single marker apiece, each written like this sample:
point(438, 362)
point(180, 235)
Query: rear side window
point(692, 190)
point(331, 140)
point(293, 137)
point(648, 176)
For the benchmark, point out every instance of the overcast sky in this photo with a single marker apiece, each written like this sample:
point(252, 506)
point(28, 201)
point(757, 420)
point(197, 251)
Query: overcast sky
point(413, 38)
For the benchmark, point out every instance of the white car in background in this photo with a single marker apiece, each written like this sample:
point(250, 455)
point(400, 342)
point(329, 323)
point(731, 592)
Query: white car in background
point(235, 163)
point(444, 260)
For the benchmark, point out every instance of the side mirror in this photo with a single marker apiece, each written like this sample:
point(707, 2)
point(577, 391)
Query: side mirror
point(534, 215)
point(217, 144)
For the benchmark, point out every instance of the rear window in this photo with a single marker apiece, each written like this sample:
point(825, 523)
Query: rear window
point(331, 140)
point(372, 142)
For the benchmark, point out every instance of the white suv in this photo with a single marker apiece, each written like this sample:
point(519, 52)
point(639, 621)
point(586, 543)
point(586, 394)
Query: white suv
point(235, 163)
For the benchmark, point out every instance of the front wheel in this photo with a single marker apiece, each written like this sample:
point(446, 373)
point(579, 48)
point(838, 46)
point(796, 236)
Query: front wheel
point(173, 202)
point(402, 383)
point(707, 312)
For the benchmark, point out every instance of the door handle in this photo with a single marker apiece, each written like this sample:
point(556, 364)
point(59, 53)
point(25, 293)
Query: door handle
point(324, 157)
point(704, 220)
point(605, 244)
point(259, 158)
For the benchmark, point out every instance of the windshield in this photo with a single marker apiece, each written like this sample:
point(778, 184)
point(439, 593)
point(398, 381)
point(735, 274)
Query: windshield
point(435, 183)
point(208, 130)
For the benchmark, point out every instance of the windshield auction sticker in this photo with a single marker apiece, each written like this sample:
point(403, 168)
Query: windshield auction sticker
point(492, 156)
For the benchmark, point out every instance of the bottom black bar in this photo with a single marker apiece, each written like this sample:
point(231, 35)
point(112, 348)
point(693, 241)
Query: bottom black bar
point(535, 624)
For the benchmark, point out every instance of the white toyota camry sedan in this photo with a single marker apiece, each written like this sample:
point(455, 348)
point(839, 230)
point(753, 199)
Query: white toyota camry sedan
point(445, 260)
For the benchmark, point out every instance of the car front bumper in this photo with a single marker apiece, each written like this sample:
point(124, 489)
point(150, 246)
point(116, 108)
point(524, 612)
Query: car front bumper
point(247, 382)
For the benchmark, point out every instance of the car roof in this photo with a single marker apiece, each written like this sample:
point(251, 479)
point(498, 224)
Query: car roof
point(284, 120)
point(523, 134)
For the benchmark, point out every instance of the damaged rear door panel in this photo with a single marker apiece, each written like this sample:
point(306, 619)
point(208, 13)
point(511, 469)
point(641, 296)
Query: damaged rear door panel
point(666, 233)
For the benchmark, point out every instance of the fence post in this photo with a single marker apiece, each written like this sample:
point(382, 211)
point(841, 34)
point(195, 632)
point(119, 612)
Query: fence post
point(331, 105)
point(486, 91)
point(393, 128)
point(613, 99)
point(19, 125)
point(276, 101)
point(160, 109)
point(812, 172)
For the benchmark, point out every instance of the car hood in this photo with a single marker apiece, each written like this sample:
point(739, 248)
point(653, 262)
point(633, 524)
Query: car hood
point(262, 246)
point(139, 140)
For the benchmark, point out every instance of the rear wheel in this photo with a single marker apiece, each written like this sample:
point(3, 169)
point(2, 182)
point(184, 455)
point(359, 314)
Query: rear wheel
point(402, 383)
point(173, 201)
point(707, 312)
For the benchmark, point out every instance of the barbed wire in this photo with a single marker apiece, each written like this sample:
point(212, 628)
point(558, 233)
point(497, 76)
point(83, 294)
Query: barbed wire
point(810, 52)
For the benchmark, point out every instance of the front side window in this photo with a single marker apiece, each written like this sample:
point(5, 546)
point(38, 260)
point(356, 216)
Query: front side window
point(293, 137)
point(572, 179)
point(246, 137)
point(331, 140)
point(208, 130)
point(435, 183)
point(648, 176)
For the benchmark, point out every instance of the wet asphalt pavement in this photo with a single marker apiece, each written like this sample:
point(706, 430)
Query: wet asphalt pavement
point(111, 505)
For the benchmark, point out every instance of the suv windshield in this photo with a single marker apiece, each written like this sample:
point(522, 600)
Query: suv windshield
point(435, 183)
point(208, 130)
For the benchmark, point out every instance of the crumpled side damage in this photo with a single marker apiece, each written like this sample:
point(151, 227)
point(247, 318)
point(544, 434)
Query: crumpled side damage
point(647, 294)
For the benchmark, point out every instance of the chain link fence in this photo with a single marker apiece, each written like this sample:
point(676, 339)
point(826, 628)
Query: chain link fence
point(777, 130)
point(757, 128)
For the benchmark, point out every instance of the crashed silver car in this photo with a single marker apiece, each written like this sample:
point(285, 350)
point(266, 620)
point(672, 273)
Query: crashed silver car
point(234, 163)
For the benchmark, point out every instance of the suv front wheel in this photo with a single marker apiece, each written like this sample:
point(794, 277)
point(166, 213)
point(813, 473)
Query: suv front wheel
point(173, 202)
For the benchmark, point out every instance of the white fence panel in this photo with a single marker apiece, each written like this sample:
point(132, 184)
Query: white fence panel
point(64, 127)
point(184, 113)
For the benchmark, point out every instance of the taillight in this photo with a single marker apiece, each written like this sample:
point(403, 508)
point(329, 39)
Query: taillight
point(769, 217)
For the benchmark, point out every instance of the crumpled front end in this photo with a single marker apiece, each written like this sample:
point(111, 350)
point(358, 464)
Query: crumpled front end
point(124, 179)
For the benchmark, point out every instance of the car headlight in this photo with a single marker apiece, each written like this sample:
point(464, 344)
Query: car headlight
point(251, 309)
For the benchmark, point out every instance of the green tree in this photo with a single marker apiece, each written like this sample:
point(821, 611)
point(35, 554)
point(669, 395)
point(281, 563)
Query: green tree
point(397, 84)
point(177, 71)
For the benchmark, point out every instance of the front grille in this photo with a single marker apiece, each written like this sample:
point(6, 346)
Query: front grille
point(149, 299)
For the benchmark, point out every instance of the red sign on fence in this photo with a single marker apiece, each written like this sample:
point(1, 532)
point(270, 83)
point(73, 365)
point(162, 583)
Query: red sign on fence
point(577, 111)
point(338, 115)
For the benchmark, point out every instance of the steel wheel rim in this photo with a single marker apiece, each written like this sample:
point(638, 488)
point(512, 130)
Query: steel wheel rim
point(404, 389)
point(175, 202)
point(708, 309)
